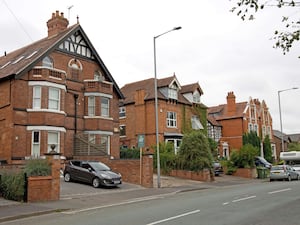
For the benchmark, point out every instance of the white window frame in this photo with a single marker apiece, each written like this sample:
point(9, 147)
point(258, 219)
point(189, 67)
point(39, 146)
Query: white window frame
point(91, 106)
point(36, 98)
point(122, 111)
point(123, 127)
point(105, 139)
point(36, 145)
point(172, 119)
point(47, 62)
point(55, 141)
point(52, 101)
point(173, 94)
point(196, 124)
point(196, 97)
point(104, 107)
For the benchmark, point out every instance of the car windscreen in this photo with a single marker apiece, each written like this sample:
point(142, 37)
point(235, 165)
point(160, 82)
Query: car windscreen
point(97, 166)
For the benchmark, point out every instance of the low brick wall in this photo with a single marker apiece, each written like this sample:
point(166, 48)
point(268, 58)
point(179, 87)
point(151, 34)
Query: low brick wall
point(133, 170)
point(245, 172)
point(185, 174)
point(39, 188)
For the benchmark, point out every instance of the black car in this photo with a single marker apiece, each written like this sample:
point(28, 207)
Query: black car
point(260, 161)
point(92, 172)
point(218, 169)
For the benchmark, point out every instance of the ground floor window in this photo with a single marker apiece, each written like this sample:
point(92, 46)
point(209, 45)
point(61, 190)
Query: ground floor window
point(36, 145)
point(53, 140)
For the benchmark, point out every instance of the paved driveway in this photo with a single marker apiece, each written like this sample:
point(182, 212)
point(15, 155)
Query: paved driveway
point(73, 189)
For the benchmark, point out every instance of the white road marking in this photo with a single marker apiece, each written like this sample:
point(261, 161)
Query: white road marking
point(282, 190)
point(225, 203)
point(243, 199)
point(174, 217)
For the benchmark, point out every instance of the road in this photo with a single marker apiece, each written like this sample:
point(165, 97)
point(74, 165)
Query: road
point(275, 203)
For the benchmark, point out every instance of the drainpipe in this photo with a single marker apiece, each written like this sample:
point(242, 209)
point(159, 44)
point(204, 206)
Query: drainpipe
point(75, 120)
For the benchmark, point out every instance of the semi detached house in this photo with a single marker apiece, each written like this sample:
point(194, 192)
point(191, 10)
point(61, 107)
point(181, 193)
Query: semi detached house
point(56, 93)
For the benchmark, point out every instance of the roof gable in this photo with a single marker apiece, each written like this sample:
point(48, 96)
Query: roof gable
point(72, 40)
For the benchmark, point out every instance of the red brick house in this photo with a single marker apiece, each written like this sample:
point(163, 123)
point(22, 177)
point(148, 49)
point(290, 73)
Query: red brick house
point(228, 122)
point(179, 110)
point(57, 92)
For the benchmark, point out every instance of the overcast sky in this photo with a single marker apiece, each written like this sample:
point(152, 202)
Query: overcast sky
point(214, 47)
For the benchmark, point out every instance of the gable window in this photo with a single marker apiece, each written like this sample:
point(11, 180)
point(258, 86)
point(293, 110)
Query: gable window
point(35, 151)
point(172, 92)
point(91, 105)
point(47, 62)
point(122, 130)
point(171, 119)
point(37, 97)
point(98, 76)
point(104, 106)
point(54, 98)
point(196, 124)
point(53, 139)
point(122, 111)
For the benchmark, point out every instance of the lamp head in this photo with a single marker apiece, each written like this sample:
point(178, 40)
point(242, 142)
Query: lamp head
point(176, 28)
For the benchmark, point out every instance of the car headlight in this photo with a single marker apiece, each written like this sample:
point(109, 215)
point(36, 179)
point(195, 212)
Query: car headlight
point(105, 176)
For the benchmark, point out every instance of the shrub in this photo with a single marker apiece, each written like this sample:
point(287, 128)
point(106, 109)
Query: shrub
point(245, 157)
point(127, 153)
point(12, 185)
point(37, 167)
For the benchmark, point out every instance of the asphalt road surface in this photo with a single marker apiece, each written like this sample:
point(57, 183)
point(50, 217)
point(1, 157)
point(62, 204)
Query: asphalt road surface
point(276, 203)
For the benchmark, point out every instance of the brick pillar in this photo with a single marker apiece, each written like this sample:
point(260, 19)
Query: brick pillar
point(54, 160)
point(147, 169)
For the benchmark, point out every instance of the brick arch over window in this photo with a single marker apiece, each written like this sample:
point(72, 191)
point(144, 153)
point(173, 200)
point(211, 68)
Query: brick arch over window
point(75, 69)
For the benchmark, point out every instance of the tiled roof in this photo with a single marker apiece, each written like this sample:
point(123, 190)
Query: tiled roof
point(191, 88)
point(220, 112)
point(213, 120)
point(148, 86)
point(9, 64)
point(17, 63)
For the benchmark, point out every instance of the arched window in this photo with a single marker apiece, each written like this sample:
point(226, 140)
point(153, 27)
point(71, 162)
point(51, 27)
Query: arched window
point(75, 68)
point(47, 62)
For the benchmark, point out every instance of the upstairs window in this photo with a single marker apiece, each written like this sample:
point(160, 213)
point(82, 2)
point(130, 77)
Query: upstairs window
point(122, 130)
point(171, 119)
point(122, 111)
point(98, 76)
point(196, 97)
point(104, 106)
point(196, 124)
point(54, 99)
point(91, 105)
point(37, 97)
point(47, 62)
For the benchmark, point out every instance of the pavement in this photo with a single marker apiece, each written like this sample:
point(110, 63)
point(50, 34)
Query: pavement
point(83, 196)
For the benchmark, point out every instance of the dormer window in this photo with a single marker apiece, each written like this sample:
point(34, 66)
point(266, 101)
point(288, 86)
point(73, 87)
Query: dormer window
point(173, 91)
point(196, 97)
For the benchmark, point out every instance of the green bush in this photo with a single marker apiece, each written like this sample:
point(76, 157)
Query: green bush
point(245, 157)
point(127, 153)
point(12, 185)
point(37, 167)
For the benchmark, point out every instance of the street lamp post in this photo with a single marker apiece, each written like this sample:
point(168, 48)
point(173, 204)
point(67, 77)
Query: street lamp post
point(156, 105)
point(282, 142)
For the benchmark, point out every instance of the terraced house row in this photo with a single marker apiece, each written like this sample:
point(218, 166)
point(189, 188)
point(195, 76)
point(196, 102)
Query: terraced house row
point(57, 93)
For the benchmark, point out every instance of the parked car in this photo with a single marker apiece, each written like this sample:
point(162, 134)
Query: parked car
point(218, 169)
point(260, 161)
point(92, 172)
point(283, 172)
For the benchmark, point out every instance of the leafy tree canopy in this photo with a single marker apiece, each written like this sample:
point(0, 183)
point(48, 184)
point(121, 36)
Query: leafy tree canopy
point(294, 146)
point(284, 39)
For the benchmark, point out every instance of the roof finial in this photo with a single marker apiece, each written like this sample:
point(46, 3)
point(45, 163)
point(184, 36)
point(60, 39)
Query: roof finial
point(77, 19)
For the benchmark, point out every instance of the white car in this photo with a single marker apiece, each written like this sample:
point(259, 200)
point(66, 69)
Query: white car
point(284, 172)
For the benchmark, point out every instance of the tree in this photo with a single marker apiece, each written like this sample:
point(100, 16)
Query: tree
point(194, 153)
point(285, 39)
point(267, 149)
point(251, 138)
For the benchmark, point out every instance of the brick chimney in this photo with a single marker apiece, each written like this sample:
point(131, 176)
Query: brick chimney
point(57, 24)
point(231, 106)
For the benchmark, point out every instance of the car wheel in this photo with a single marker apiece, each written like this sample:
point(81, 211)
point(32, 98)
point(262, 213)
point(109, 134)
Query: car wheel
point(271, 180)
point(96, 182)
point(67, 177)
point(298, 177)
